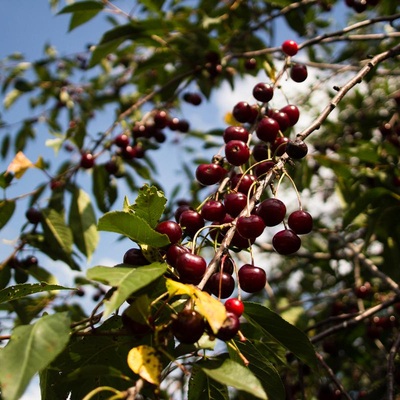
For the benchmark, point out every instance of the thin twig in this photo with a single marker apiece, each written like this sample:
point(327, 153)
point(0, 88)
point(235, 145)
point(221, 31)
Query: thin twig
point(390, 370)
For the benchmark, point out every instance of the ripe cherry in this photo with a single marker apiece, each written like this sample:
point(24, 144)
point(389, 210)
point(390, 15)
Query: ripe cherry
point(174, 252)
point(243, 183)
point(296, 149)
point(191, 267)
point(192, 98)
point(188, 326)
point(129, 152)
point(191, 221)
point(272, 211)
point(262, 168)
point(263, 92)
point(280, 117)
point(260, 152)
point(171, 229)
point(250, 64)
point(290, 47)
point(250, 227)
point(364, 291)
point(234, 306)
point(33, 215)
point(227, 265)
point(112, 167)
point(292, 112)
point(298, 72)
point(209, 174)
point(122, 140)
point(239, 242)
point(242, 112)
point(301, 222)
point(286, 242)
point(229, 328)
point(237, 152)
point(87, 160)
point(213, 210)
point(267, 130)
point(135, 257)
point(235, 133)
point(235, 203)
point(221, 285)
point(252, 279)
point(161, 119)
point(278, 148)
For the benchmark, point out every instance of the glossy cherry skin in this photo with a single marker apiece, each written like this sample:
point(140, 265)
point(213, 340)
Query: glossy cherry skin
point(243, 183)
point(235, 133)
point(281, 118)
point(296, 149)
point(242, 112)
point(267, 130)
point(301, 222)
point(292, 112)
point(251, 226)
point(286, 242)
point(262, 169)
point(122, 140)
point(191, 267)
point(87, 160)
point(229, 328)
point(263, 92)
point(279, 146)
point(221, 285)
point(237, 152)
point(298, 73)
point(191, 221)
point(174, 252)
point(290, 47)
point(272, 211)
point(260, 152)
point(188, 326)
point(135, 257)
point(213, 210)
point(235, 203)
point(33, 215)
point(171, 229)
point(234, 306)
point(209, 174)
point(252, 279)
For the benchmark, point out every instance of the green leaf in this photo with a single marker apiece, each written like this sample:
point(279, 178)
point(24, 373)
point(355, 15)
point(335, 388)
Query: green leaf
point(126, 279)
point(201, 387)
point(233, 374)
point(31, 349)
point(104, 188)
point(82, 12)
point(133, 227)
point(5, 276)
point(7, 208)
point(283, 332)
point(82, 221)
point(150, 204)
point(17, 291)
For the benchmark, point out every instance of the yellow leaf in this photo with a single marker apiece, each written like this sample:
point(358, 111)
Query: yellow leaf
point(270, 71)
point(230, 119)
point(19, 165)
point(209, 307)
point(144, 361)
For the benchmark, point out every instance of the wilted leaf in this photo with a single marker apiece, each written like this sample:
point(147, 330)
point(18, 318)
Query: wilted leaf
point(144, 361)
point(19, 165)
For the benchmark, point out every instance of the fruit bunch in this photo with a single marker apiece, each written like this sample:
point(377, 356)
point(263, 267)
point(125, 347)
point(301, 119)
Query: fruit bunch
point(235, 213)
point(360, 6)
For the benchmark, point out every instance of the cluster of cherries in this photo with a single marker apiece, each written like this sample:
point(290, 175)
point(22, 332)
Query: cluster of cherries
point(251, 150)
point(360, 6)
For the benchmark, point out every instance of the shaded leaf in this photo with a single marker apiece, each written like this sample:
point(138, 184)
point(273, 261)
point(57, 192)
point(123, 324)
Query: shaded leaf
point(31, 349)
point(82, 12)
point(126, 279)
point(82, 221)
point(104, 189)
point(17, 291)
point(283, 332)
point(7, 208)
point(201, 387)
point(133, 227)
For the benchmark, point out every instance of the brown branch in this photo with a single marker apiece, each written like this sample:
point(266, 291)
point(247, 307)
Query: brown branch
point(390, 370)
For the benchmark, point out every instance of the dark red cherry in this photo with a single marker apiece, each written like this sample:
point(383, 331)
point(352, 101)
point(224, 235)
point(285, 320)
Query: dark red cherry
point(243, 183)
point(171, 229)
point(213, 210)
point(87, 160)
point(111, 166)
point(280, 117)
point(235, 203)
point(129, 152)
point(135, 257)
point(221, 284)
point(296, 149)
point(180, 210)
point(263, 92)
point(229, 328)
point(252, 279)
point(298, 72)
point(235, 133)
point(301, 222)
point(192, 98)
point(363, 291)
point(279, 146)
point(290, 47)
point(209, 174)
point(239, 242)
point(227, 265)
point(191, 267)
point(286, 242)
point(272, 211)
point(267, 130)
point(33, 215)
point(191, 221)
point(242, 112)
point(292, 112)
point(122, 140)
point(260, 152)
point(250, 64)
point(234, 306)
point(262, 168)
point(174, 252)
point(188, 326)
point(161, 119)
point(237, 152)
point(250, 227)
